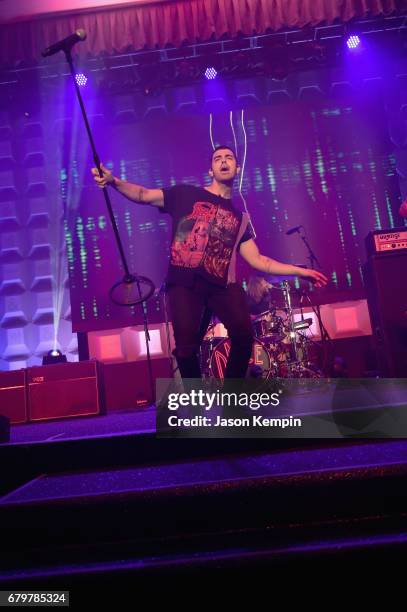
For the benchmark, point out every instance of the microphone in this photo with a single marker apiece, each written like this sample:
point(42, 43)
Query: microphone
point(65, 44)
point(293, 230)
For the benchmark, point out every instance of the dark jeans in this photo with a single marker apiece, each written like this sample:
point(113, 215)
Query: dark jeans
point(188, 307)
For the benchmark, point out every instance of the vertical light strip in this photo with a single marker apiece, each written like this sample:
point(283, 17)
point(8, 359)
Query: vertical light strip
point(210, 130)
point(242, 174)
point(233, 132)
point(244, 158)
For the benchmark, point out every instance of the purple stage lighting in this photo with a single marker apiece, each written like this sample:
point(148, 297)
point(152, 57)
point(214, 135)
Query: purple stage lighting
point(353, 42)
point(81, 79)
point(211, 73)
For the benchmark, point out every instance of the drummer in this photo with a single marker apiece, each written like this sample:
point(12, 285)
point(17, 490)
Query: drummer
point(258, 295)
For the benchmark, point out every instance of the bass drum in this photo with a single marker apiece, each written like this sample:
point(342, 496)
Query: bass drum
point(260, 364)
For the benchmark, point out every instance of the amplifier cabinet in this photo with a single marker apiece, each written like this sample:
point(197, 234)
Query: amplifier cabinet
point(64, 390)
point(127, 384)
point(13, 398)
point(386, 288)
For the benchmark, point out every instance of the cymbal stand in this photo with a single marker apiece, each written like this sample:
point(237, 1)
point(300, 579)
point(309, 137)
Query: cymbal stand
point(325, 337)
point(290, 317)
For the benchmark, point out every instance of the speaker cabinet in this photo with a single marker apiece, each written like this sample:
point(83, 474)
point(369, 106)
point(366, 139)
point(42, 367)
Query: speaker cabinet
point(64, 390)
point(127, 384)
point(13, 398)
point(386, 287)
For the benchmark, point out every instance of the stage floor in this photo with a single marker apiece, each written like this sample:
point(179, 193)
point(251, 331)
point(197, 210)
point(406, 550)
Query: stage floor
point(135, 421)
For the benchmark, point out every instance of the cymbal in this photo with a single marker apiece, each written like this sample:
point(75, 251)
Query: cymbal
point(277, 280)
point(281, 278)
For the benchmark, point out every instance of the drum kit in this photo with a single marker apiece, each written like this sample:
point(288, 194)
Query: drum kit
point(281, 348)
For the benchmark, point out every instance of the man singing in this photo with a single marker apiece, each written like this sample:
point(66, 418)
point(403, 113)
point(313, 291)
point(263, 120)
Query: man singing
point(207, 234)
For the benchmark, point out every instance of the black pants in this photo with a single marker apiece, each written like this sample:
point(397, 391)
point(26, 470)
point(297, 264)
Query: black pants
point(229, 304)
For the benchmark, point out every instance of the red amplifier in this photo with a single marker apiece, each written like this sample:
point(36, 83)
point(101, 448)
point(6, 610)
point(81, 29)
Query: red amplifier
point(13, 398)
point(64, 390)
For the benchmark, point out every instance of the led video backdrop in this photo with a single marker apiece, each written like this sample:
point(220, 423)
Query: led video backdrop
point(328, 167)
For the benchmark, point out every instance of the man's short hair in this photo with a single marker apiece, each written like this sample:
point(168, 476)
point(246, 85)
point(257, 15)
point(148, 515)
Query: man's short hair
point(218, 148)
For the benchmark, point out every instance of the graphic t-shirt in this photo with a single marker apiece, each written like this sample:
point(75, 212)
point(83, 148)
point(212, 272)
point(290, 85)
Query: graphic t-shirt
point(206, 232)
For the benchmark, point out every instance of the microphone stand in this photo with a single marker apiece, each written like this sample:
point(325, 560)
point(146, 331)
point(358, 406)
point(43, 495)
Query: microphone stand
point(314, 263)
point(129, 280)
point(173, 368)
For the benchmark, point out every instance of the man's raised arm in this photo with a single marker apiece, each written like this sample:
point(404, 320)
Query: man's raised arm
point(131, 191)
point(250, 252)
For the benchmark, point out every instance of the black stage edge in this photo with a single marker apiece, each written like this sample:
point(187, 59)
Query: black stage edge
point(112, 506)
point(108, 441)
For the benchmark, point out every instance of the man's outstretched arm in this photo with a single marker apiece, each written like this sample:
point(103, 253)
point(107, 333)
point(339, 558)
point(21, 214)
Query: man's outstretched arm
point(250, 252)
point(131, 191)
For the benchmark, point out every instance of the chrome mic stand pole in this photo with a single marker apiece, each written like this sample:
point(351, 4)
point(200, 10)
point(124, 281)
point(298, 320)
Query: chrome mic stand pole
point(128, 279)
point(325, 337)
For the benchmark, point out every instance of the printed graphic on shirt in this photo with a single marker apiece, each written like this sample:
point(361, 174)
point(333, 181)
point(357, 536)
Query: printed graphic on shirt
point(205, 238)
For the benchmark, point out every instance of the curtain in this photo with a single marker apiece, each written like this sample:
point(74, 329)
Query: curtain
point(156, 24)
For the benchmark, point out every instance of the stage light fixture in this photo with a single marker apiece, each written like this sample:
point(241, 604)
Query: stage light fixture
point(52, 357)
point(353, 42)
point(81, 79)
point(211, 73)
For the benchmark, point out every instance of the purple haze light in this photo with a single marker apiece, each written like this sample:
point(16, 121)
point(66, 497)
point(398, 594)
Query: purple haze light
point(81, 79)
point(211, 73)
point(353, 42)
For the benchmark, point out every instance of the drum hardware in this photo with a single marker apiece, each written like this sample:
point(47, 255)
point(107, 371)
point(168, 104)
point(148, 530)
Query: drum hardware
point(205, 354)
point(294, 360)
point(268, 324)
point(303, 324)
point(315, 264)
point(280, 348)
point(290, 318)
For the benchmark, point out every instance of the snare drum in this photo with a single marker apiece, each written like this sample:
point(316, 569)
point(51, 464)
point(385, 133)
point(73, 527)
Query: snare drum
point(259, 365)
